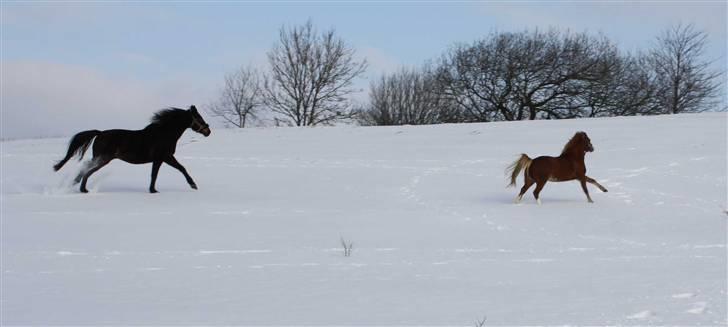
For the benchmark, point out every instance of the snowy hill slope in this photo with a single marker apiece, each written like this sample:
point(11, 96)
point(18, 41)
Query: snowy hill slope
point(436, 237)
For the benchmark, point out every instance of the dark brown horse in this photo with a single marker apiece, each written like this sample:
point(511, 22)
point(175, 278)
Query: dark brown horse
point(156, 143)
point(566, 167)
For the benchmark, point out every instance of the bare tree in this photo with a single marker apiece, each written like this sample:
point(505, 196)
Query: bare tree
point(409, 96)
point(311, 76)
point(240, 98)
point(684, 80)
point(479, 78)
point(524, 75)
point(556, 69)
point(625, 87)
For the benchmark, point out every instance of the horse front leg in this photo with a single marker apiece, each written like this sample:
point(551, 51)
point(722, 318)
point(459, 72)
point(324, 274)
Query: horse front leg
point(592, 181)
point(155, 171)
point(172, 161)
point(586, 191)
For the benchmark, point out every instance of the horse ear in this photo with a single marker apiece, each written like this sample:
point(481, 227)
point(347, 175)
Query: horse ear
point(193, 108)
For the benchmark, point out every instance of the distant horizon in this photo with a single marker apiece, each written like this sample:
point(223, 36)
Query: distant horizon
point(111, 65)
point(190, 133)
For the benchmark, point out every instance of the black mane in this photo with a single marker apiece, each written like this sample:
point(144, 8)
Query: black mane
point(170, 116)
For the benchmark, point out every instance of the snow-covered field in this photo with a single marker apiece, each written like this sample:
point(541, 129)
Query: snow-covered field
point(436, 237)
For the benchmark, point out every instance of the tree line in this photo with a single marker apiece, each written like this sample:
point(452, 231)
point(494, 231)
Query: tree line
point(504, 76)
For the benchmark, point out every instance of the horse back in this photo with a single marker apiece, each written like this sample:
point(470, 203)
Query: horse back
point(133, 146)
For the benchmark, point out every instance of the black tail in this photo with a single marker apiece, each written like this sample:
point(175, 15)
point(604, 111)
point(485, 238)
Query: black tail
point(78, 146)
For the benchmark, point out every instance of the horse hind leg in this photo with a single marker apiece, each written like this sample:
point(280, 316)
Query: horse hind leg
point(84, 169)
point(539, 186)
point(528, 182)
point(95, 164)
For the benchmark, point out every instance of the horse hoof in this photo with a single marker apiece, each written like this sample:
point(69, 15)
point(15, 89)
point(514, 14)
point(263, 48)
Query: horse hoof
point(538, 201)
point(193, 186)
point(153, 191)
point(83, 190)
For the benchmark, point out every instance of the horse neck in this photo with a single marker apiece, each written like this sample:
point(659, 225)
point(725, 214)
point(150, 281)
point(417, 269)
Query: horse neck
point(170, 131)
point(575, 154)
point(177, 131)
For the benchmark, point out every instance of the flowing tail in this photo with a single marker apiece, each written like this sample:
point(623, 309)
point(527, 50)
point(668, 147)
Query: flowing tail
point(515, 168)
point(78, 146)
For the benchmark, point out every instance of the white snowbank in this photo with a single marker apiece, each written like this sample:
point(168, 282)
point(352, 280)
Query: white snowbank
point(436, 238)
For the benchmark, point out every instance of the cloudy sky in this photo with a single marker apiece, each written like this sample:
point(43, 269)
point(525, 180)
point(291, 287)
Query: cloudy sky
point(73, 66)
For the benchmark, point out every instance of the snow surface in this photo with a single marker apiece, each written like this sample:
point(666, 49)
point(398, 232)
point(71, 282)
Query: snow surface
point(436, 237)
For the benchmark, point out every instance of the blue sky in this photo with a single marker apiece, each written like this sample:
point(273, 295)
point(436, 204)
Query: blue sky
point(105, 65)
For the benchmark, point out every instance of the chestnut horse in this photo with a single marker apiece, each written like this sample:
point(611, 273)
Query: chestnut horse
point(566, 167)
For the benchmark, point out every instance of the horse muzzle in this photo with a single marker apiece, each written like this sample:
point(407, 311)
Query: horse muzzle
point(205, 131)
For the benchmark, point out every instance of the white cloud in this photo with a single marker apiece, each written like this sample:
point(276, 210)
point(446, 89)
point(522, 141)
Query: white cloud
point(50, 99)
point(633, 25)
point(379, 62)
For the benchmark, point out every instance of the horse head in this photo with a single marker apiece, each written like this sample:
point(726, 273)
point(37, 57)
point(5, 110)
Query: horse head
point(198, 124)
point(579, 143)
point(588, 147)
